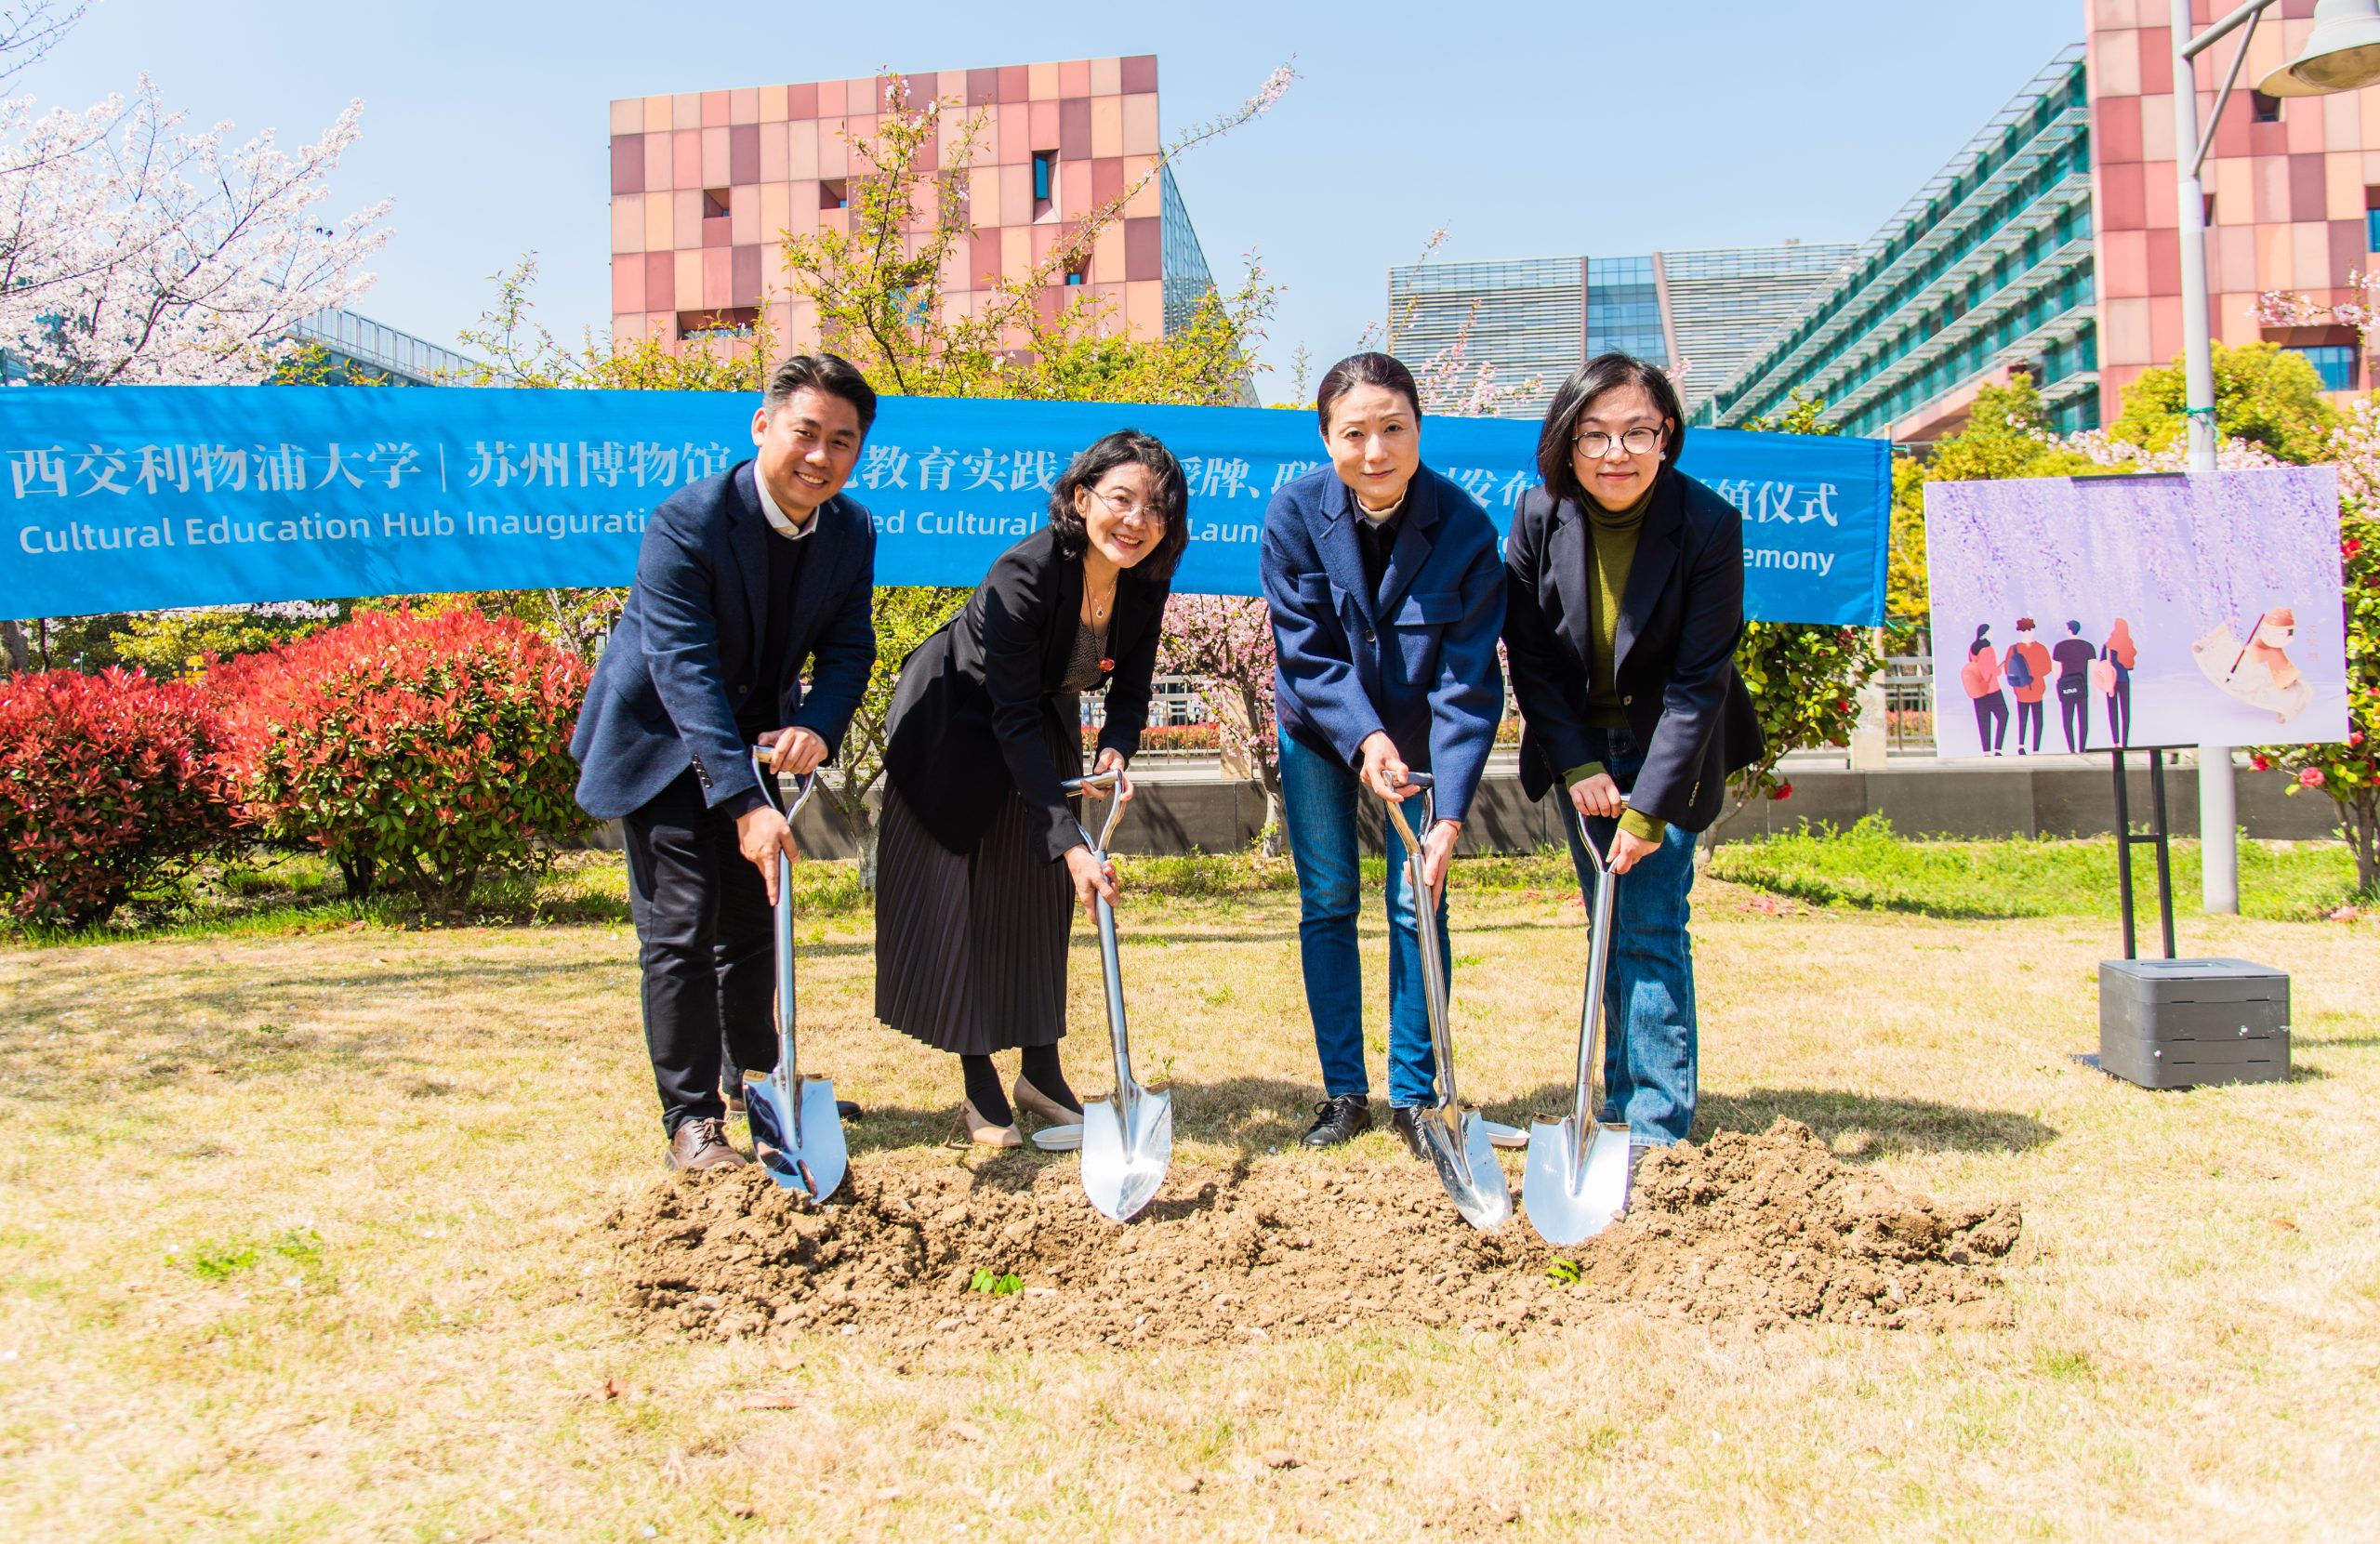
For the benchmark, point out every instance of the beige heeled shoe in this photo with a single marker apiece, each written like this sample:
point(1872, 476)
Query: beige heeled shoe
point(1025, 1096)
point(983, 1134)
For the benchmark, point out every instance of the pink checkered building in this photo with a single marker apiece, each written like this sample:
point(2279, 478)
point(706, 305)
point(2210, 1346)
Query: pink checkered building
point(706, 184)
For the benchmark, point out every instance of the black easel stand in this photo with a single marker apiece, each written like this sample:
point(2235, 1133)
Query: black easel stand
point(2158, 835)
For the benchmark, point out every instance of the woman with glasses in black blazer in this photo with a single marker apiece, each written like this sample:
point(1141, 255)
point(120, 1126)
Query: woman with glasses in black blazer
point(1625, 600)
point(979, 859)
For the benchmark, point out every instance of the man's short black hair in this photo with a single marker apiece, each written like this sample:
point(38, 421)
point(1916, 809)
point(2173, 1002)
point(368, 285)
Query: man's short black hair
point(831, 374)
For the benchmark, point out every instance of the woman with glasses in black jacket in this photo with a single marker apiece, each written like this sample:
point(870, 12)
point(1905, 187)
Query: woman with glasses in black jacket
point(1625, 590)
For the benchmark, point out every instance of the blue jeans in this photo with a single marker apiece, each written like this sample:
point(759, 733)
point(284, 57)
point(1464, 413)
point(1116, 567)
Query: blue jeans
point(1648, 1056)
point(1320, 795)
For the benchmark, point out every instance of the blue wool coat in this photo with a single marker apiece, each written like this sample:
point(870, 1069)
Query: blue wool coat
point(683, 659)
point(1418, 660)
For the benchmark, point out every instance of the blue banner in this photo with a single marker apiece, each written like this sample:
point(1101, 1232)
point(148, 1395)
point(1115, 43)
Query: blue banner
point(139, 498)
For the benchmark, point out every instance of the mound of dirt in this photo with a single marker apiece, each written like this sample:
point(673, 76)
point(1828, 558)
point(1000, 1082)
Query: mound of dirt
point(1756, 1228)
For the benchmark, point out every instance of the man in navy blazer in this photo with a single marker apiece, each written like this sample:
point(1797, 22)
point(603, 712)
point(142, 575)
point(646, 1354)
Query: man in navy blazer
point(742, 578)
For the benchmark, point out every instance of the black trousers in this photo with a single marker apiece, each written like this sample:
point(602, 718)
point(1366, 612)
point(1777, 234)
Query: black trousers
point(2074, 719)
point(1990, 710)
point(705, 940)
point(2029, 714)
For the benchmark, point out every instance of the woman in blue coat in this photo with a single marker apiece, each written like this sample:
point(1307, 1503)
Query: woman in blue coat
point(1387, 593)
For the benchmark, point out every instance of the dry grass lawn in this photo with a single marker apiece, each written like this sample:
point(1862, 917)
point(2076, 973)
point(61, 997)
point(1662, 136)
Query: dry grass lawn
point(302, 1237)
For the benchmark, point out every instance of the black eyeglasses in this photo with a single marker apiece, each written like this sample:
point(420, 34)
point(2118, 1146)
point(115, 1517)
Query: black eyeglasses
point(1641, 440)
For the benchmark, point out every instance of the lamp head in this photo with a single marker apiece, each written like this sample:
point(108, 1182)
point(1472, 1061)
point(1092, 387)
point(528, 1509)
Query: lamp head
point(2341, 54)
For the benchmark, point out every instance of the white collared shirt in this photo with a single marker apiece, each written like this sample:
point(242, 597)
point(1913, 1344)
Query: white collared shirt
point(777, 519)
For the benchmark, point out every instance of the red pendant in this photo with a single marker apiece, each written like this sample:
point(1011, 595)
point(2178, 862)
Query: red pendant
point(1107, 666)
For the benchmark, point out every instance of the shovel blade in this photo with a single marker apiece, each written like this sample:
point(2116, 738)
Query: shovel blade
point(1567, 1200)
point(1122, 1168)
point(815, 1164)
point(1467, 1167)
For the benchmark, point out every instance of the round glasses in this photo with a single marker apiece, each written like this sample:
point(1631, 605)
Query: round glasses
point(1124, 507)
point(1640, 440)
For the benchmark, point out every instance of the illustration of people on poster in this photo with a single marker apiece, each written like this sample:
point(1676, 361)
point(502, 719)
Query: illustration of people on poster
point(2079, 614)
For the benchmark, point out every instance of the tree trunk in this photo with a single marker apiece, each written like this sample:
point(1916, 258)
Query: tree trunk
point(356, 873)
point(2363, 826)
point(866, 853)
point(1273, 840)
point(12, 642)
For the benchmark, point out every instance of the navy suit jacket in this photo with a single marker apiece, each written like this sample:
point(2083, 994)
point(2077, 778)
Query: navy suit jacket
point(1418, 660)
point(682, 660)
point(1680, 619)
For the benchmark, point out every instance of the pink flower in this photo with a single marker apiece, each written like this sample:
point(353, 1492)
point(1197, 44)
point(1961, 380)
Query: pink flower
point(2352, 545)
point(2355, 736)
point(2311, 777)
point(1783, 790)
point(2262, 763)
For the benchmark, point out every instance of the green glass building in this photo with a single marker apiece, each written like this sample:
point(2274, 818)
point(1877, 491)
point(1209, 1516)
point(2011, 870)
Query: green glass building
point(1988, 267)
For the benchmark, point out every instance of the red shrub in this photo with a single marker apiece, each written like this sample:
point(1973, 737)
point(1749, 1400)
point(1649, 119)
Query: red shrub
point(108, 784)
point(429, 750)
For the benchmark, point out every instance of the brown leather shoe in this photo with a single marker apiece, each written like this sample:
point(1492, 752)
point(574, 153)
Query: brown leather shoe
point(701, 1144)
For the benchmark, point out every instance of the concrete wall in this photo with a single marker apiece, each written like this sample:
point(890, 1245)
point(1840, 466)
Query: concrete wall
point(1930, 800)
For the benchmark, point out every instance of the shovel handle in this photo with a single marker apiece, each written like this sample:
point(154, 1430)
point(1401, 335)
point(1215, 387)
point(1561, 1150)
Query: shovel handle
point(1600, 856)
point(1587, 1094)
point(805, 784)
point(1107, 779)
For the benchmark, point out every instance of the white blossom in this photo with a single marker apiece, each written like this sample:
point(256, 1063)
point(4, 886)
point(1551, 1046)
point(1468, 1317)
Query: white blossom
point(134, 251)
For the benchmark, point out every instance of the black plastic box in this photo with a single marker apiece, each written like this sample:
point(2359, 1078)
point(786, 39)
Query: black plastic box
point(2176, 1023)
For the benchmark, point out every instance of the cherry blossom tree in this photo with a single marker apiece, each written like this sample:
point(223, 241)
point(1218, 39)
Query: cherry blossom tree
point(1226, 643)
point(137, 250)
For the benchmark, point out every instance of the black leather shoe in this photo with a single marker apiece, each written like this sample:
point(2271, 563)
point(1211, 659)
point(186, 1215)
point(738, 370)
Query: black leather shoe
point(1406, 1122)
point(1338, 1120)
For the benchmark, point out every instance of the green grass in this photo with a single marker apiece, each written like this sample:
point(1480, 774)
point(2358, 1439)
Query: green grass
point(1871, 867)
point(264, 894)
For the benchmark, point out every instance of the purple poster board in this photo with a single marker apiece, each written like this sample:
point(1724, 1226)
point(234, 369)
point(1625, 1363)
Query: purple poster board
point(2165, 611)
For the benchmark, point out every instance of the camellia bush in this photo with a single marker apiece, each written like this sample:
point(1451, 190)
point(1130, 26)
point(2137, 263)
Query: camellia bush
point(109, 784)
point(426, 751)
point(1805, 679)
point(2349, 771)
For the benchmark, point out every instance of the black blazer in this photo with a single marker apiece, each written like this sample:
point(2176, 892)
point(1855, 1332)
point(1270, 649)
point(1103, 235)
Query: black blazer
point(1680, 619)
point(683, 657)
point(978, 699)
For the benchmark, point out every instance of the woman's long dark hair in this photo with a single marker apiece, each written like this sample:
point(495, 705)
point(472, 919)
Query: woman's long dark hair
point(1604, 372)
point(1170, 499)
point(1982, 640)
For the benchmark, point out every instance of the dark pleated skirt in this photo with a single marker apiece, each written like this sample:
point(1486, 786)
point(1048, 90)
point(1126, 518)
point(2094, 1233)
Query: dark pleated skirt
point(970, 948)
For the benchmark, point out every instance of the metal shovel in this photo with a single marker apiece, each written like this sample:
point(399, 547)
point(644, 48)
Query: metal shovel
point(1576, 1183)
point(1128, 1139)
point(1455, 1138)
point(793, 1117)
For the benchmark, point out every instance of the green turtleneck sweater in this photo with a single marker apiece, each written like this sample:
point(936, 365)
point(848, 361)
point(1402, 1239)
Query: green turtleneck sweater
point(1611, 550)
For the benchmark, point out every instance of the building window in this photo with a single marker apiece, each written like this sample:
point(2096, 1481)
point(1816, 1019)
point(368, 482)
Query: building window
point(1045, 181)
point(2267, 109)
point(2334, 362)
point(2372, 219)
point(1078, 271)
point(836, 195)
point(715, 203)
point(727, 323)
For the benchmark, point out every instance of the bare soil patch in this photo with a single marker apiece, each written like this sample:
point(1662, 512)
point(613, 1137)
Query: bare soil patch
point(1754, 1228)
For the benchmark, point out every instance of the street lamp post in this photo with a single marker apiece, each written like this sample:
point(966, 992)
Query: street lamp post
point(2341, 54)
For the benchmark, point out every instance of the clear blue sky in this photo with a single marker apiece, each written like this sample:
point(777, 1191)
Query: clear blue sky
point(1528, 129)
